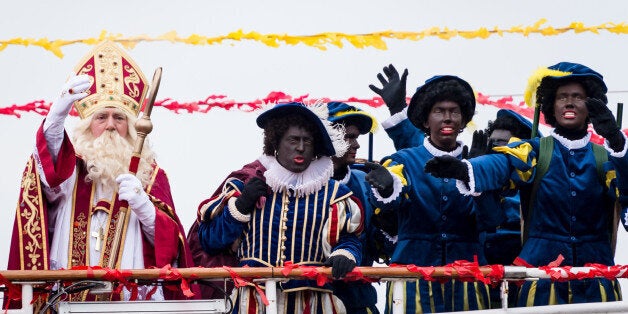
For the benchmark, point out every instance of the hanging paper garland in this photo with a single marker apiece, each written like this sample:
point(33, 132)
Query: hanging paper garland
point(41, 107)
point(322, 40)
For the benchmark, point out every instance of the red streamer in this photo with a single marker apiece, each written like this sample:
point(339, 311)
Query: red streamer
point(288, 267)
point(172, 274)
point(357, 275)
point(42, 107)
point(13, 292)
point(238, 282)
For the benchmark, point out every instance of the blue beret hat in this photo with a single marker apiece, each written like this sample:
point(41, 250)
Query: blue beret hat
point(523, 121)
point(577, 70)
point(299, 109)
point(339, 111)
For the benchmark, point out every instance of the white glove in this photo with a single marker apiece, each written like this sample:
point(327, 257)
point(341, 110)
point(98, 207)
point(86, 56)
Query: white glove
point(130, 189)
point(73, 90)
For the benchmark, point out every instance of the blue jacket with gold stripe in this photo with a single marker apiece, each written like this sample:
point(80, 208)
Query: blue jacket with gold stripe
point(572, 209)
point(437, 225)
point(304, 229)
point(571, 215)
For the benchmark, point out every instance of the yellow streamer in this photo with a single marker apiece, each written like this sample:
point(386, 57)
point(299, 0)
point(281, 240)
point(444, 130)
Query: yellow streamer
point(323, 40)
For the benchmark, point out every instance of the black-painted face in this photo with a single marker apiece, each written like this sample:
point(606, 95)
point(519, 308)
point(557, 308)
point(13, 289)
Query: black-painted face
point(570, 109)
point(499, 137)
point(444, 123)
point(296, 149)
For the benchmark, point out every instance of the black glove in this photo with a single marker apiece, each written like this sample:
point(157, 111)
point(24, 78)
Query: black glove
point(385, 220)
point(447, 167)
point(479, 145)
point(393, 91)
point(604, 123)
point(379, 178)
point(340, 265)
point(251, 192)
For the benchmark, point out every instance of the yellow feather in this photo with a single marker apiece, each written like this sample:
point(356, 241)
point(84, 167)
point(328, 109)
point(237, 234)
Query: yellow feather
point(535, 80)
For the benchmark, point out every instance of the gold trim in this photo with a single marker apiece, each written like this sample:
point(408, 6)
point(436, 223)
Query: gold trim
point(71, 260)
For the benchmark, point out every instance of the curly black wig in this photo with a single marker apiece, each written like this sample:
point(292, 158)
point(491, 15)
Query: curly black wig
point(443, 90)
point(546, 93)
point(277, 126)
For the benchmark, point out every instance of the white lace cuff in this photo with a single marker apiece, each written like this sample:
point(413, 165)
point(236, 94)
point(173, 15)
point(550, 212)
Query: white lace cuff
point(397, 186)
point(235, 213)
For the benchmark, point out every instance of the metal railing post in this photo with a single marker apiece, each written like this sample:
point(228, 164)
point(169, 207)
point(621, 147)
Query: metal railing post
point(504, 294)
point(397, 304)
point(271, 295)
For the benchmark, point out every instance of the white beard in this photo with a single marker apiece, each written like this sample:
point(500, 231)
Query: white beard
point(108, 156)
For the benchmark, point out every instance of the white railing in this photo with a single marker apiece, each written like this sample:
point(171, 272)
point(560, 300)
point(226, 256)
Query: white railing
point(272, 275)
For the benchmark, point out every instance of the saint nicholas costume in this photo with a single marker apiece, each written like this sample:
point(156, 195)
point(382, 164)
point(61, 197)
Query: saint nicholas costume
point(63, 220)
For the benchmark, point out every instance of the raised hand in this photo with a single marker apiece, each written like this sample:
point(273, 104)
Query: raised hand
point(604, 123)
point(447, 167)
point(73, 90)
point(393, 90)
point(479, 144)
point(380, 178)
point(251, 192)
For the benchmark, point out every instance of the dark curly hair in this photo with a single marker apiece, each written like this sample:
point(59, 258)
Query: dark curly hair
point(446, 90)
point(276, 127)
point(546, 93)
point(511, 124)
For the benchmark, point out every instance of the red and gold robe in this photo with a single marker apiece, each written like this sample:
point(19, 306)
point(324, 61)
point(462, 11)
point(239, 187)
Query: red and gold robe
point(54, 214)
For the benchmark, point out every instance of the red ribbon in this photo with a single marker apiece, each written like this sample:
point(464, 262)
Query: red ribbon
point(426, 272)
point(288, 267)
point(172, 274)
point(241, 282)
point(13, 292)
point(521, 262)
point(357, 275)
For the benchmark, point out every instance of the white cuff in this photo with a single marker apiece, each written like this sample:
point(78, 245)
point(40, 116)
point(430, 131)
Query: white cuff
point(396, 118)
point(235, 213)
point(344, 253)
point(621, 153)
point(462, 186)
point(397, 186)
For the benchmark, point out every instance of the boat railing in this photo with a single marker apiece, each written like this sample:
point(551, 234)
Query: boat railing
point(21, 284)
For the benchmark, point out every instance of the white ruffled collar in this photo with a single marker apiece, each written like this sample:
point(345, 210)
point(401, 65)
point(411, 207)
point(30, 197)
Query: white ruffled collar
point(437, 152)
point(303, 183)
point(576, 144)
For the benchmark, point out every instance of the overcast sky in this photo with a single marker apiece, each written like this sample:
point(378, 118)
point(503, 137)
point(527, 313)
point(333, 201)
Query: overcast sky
point(198, 150)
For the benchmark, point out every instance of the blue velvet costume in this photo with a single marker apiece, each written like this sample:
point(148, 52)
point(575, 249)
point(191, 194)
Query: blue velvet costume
point(437, 226)
point(289, 226)
point(360, 297)
point(571, 214)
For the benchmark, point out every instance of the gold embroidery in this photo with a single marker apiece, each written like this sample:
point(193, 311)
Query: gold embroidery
point(29, 214)
point(106, 255)
point(79, 246)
